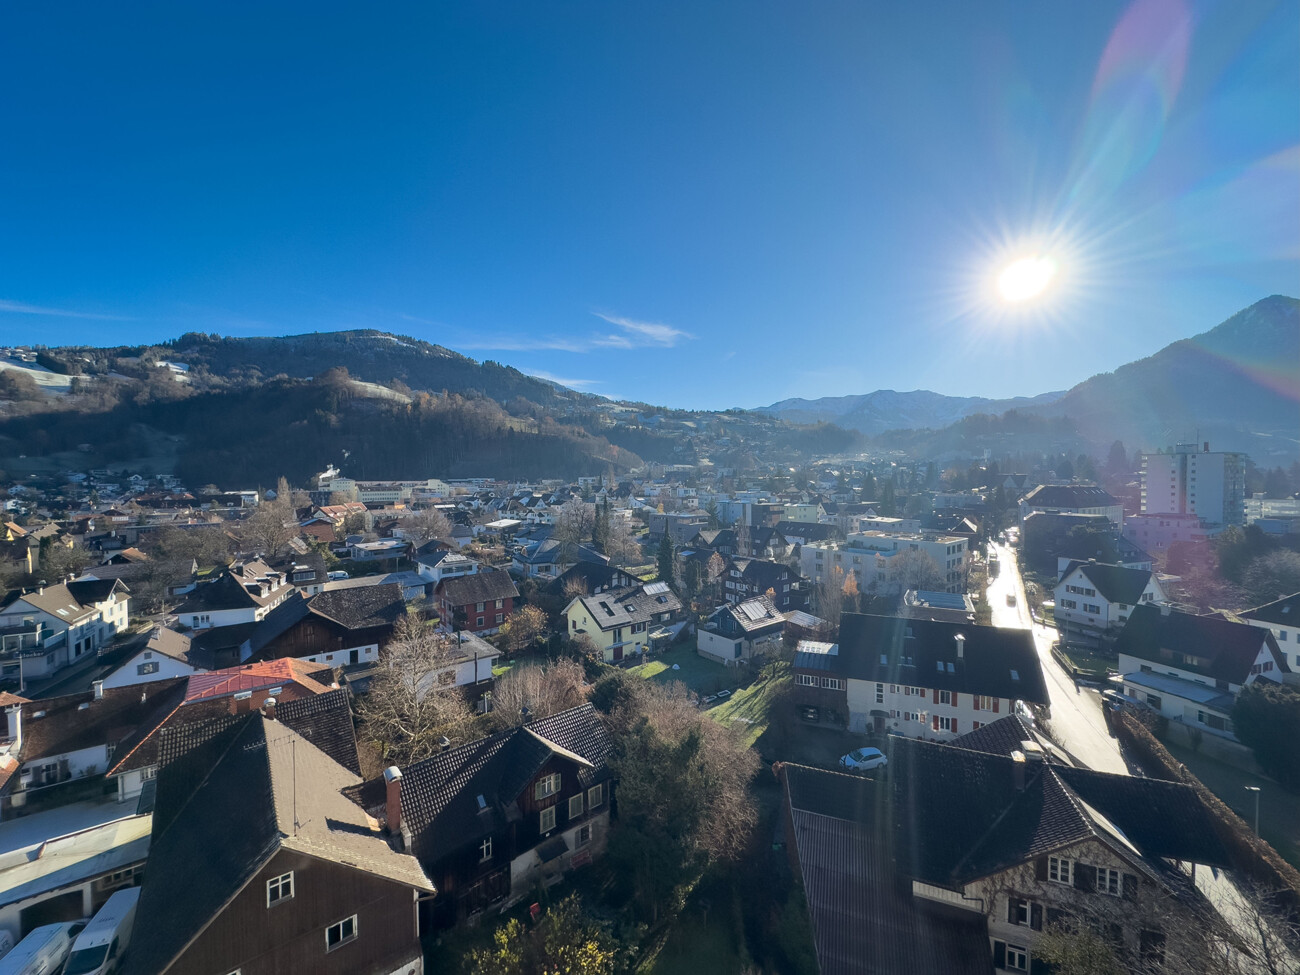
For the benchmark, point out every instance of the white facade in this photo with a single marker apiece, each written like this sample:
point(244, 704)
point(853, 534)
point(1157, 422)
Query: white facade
point(867, 556)
point(148, 666)
point(920, 712)
point(1079, 604)
point(1288, 638)
point(1188, 481)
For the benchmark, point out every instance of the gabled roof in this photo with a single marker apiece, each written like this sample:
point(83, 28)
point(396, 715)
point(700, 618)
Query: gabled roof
point(623, 607)
point(1115, 583)
point(1070, 496)
point(57, 601)
point(1221, 649)
point(863, 921)
point(169, 643)
point(66, 726)
point(481, 587)
point(923, 653)
point(1280, 612)
point(361, 607)
point(440, 803)
point(260, 676)
point(267, 789)
point(753, 615)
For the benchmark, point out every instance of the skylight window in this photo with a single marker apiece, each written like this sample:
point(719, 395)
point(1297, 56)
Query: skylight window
point(884, 659)
point(1015, 675)
point(938, 665)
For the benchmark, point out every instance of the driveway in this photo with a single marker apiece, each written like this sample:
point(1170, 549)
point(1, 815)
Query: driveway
point(1076, 718)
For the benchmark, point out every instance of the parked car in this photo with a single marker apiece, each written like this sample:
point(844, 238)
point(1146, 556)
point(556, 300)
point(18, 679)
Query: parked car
point(1011, 599)
point(864, 759)
point(337, 574)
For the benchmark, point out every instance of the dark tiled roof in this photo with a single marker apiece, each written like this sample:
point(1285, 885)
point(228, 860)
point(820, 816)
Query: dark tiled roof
point(440, 794)
point(481, 587)
point(1229, 649)
point(1115, 583)
point(91, 591)
point(753, 617)
point(66, 726)
point(362, 607)
point(277, 622)
point(864, 922)
point(1070, 496)
point(807, 531)
point(1282, 612)
point(1000, 737)
point(235, 820)
point(325, 720)
point(623, 607)
point(995, 662)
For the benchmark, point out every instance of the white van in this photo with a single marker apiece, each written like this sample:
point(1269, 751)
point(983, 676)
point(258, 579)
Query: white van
point(337, 574)
point(43, 951)
point(99, 948)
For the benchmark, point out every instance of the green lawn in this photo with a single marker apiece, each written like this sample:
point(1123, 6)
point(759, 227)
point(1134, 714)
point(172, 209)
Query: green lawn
point(750, 707)
point(502, 666)
point(694, 946)
point(700, 675)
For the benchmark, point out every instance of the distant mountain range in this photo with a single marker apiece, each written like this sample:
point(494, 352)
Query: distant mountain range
point(887, 409)
point(1237, 386)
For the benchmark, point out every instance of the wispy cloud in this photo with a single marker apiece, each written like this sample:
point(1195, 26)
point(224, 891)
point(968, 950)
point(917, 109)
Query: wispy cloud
point(636, 335)
point(22, 308)
point(578, 384)
point(513, 344)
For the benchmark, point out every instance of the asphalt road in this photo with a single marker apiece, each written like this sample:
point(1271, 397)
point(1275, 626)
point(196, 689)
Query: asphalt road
point(1076, 719)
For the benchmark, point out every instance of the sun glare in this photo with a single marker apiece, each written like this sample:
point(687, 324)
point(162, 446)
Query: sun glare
point(1026, 278)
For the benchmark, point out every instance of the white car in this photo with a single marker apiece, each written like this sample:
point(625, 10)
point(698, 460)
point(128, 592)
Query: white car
point(864, 759)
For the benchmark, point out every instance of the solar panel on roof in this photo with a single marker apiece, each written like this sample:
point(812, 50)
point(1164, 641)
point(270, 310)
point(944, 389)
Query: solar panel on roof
point(654, 588)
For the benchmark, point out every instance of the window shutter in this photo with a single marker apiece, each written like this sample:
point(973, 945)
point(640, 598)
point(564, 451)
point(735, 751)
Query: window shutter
point(1040, 868)
point(1036, 916)
point(936, 696)
point(954, 726)
point(995, 705)
point(1011, 910)
point(999, 954)
point(934, 719)
point(1085, 877)
point(955, 697)
point(1130, 887)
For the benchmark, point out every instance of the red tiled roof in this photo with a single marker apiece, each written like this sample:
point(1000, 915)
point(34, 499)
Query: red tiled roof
point(255, 677)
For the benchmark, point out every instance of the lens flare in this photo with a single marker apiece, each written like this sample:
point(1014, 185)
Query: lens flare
point(1026, 278)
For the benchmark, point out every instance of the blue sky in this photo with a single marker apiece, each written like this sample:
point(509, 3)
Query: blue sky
point(696, 204)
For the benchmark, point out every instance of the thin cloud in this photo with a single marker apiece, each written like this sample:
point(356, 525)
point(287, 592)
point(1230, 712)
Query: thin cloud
point(22, 308)
point(637, 335)
point(524, 345)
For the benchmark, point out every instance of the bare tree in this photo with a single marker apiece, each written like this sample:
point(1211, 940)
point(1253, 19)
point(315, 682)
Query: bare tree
point(744, 541)
point(574, 521)
point(522, 627)
point(412, 701)
point(268, 529)
point(426, 524)
point(621, 544)
point(830, 597)
point(543, 689)
point(917, 570)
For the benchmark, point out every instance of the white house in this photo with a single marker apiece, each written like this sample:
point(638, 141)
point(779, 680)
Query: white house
point(1191, 668)
point(443, 564)
point(736, 634)
point(1094, 599)
point(920, 678)
point(70, 620)
point(1076, 499)
point(244, 593)
point(166, 655)
point(1282, 618)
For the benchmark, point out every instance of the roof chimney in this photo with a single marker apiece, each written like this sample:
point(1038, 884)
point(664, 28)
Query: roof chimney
point(960, 640)
point(393, 801)
point(98, 687)
point(1018, 769)
point(268, 708)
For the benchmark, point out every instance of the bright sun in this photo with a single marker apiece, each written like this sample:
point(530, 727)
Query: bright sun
point(1026, 278)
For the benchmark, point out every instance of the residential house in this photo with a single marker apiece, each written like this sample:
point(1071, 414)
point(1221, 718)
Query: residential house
point(1190, 669)
point(56, 625)
point(378, 550)
point(260, 863)
point(1282, 618)
point(1077, 499)
point(951, 607)
point(680, 526)
point(546, 558)
point(245, 592)
point(338, 628)
point(441, 563)
point(492, 820)
point(166, 655)
point(622, 622)
point(737, 634)
point(1094, 600)
point(744, 579)
point(589, 577)
point(960, 855)
point(306, 571)
point(923, 678)
point(868, 557)
point(227, 693)
point(479, 602)
point(69, 741)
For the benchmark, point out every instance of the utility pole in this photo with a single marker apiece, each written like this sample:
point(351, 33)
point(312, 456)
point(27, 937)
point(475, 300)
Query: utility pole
point(1255, 789)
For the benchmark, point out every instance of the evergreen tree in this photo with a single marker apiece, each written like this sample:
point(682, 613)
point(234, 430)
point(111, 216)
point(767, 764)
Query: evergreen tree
point(664, 558)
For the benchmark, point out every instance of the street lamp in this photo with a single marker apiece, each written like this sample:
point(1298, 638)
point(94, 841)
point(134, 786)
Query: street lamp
point(1255, 789)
